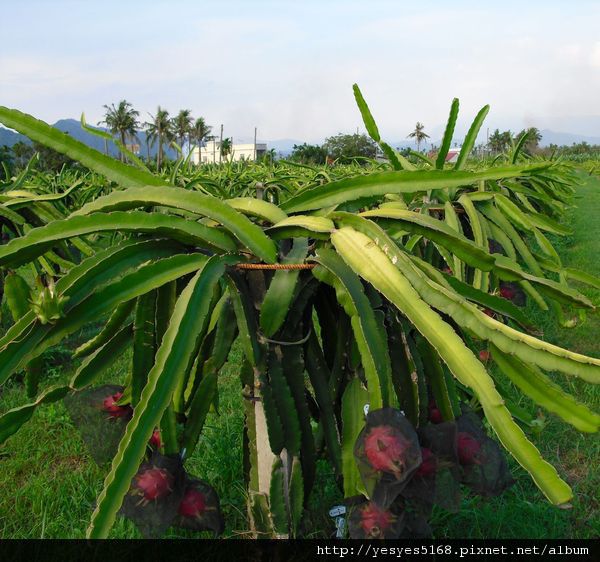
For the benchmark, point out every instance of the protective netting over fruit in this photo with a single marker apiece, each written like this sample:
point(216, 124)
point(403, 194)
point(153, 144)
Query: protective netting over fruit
point(101, 421)
point(155, 494)
point(199, 508)
point(387, 453)
point(406, 472)
point(484, 466)
point(436, 481)
point(370, 521)
point(161, 494)
point(513, 292)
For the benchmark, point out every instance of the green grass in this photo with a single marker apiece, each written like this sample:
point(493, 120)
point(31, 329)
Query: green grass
point(49, 484)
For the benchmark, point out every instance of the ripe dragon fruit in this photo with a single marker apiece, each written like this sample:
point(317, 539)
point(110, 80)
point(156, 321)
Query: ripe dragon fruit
point(375, 521)
point(155, 441)
point(435, 415)
point(110, 405)
point(468, 448)
point(153, 484)
point(484, 355)
point(507, 292)
point(428, 465)
point(199, 508)
point(193, 503)
point(385, 448)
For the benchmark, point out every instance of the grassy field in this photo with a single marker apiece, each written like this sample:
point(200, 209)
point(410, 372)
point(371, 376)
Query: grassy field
point(49, 484)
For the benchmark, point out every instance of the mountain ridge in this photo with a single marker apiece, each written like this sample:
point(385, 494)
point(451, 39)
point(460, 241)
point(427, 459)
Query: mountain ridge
point(283, 146)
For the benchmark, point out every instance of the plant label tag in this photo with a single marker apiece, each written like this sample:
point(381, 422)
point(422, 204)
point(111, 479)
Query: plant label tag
point(337, 510)
point(340, 528)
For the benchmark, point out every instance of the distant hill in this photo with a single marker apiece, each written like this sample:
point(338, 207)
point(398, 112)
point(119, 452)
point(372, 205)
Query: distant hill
point(73, 128)
point(284, 146)
point(8, 137)
point(553, 137)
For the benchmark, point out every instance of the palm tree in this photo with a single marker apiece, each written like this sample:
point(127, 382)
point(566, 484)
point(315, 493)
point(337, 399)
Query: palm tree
point(533, 139)
point(499, 142)
point(419, 135)
point(121, 121)
point(160, 130)
point(226, 147)
point(269, 156)
point(182, 125)
point(200, 133)
point(506, 139)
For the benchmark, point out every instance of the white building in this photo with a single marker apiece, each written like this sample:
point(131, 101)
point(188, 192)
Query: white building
point(210, 152)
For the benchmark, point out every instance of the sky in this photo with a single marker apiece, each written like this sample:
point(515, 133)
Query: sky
point(288, 67)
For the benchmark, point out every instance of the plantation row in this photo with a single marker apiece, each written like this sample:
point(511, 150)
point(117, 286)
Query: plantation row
point(370, 301)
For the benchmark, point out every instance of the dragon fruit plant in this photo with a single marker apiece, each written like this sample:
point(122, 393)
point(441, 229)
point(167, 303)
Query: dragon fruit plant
point(378, 289)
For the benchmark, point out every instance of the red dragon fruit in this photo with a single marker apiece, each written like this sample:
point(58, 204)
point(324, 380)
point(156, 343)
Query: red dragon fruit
point(385, 448)
point(428, 465)
point(507, 292)
point(193, 503)
point(375, 521)
point(468, 448)
point(155, 441)
point(110, 405)
point(153, 484)
point(435, 415)
point(484, 355)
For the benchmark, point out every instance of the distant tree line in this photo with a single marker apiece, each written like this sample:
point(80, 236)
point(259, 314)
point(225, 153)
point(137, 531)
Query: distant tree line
point(15, 158)
point(122, 121)
point(341, 147)
point(501, 141)
point(578, 150)
point(346, 147)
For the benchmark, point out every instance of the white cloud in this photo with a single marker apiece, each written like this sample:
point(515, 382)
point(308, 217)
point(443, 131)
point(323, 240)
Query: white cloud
point(595, 55)
point(288, 68)
point(571, 53)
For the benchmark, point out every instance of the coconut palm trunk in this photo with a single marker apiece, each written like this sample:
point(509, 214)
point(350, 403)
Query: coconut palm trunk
point(123, 141)
point(159, 156)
